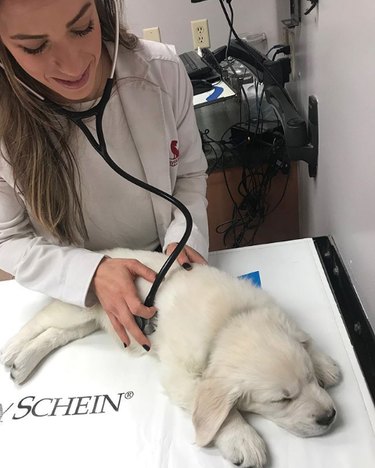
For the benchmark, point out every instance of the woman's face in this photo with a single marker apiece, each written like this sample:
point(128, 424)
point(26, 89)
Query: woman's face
point(57, 42)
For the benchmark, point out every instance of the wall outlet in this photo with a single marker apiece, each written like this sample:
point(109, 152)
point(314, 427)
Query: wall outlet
point(201, 36)
point(152, 34)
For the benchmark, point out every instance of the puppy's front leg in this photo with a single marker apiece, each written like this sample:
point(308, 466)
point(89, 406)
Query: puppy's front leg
point(326, 369)
point(240, 443)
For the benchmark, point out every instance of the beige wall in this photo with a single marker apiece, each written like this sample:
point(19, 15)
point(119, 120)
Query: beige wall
point(335, 60)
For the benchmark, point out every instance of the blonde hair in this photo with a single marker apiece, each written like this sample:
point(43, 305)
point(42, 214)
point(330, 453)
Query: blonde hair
point(36, 142)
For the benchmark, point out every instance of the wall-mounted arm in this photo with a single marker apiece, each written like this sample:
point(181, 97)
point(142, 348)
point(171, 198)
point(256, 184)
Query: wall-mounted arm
point(301, 140)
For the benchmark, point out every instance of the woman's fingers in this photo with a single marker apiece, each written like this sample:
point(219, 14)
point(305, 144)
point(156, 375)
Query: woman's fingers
point(119, 329)
point(137, 268)
point(123, 323)
point(135, 305)
point(187, 256)
point(194, 256)
point(114, 286)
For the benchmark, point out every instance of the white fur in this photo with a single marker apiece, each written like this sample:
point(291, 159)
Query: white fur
point(225, 348)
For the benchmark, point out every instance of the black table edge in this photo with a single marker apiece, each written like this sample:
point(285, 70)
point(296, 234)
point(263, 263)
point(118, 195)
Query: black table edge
point(354, 317)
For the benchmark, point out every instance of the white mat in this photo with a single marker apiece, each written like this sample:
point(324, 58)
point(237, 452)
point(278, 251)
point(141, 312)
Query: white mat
point(149, 432)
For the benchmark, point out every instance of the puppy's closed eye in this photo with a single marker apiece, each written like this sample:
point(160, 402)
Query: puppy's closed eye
point(283, 400)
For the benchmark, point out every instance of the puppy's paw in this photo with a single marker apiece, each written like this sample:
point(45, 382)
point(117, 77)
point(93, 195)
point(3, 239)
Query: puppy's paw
point(328, 372)
point(24, 364)
point(243, 447)
point(18, 343)
point(11, 350)
point(23, 353)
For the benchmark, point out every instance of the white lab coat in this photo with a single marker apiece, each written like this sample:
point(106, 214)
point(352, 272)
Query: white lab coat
point(153, 79)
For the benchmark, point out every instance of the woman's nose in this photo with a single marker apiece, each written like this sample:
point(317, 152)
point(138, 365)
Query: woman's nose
point(66, 61)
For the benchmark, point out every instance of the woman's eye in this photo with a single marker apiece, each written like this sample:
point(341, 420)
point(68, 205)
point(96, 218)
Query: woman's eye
point(85, 31)
point(36, 51)
point(80, 33)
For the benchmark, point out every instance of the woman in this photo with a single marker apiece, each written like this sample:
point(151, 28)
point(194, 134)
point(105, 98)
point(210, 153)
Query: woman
point(59, 201)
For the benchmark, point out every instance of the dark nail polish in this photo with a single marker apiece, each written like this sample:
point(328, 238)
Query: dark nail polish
point(125, 345)
point(146, 347)
point(187, 266)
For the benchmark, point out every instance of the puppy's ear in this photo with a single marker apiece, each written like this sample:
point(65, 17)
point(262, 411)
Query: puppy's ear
point(293, 330)
point(212, 405)
point(303, 338)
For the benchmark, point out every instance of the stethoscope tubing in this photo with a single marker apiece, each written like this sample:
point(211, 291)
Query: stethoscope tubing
point(101, 148)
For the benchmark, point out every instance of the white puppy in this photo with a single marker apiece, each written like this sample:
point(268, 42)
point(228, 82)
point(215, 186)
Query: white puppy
point(225, 348)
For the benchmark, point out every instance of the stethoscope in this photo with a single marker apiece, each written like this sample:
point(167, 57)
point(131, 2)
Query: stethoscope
point(99, 145)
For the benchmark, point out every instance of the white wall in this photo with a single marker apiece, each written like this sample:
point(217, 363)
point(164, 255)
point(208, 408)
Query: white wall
point(336, 60)
point(173, 18)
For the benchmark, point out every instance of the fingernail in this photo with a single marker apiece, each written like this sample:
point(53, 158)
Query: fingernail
point(187, 266)
point(146, 347)
point(125, 345)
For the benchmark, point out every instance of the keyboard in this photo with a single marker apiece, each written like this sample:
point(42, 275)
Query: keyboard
point(195, 66)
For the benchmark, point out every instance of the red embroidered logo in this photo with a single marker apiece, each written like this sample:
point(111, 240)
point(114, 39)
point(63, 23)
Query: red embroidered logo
point(173, 160)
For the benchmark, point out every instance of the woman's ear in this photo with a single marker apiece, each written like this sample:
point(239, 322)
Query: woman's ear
point(213, 402)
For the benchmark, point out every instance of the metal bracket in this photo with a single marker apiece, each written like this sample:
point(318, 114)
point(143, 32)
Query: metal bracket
point(309, 151)
point(313, 132)
point(295, 15)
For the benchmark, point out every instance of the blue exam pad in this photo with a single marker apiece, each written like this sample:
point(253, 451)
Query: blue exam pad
point(218, 90)
point(254, 277)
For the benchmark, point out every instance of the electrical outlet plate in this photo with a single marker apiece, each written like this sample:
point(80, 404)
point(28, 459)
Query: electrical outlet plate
point(152, 34)
point(201, 36)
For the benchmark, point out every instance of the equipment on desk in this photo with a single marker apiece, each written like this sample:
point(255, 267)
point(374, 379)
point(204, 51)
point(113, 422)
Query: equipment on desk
point(196, 68)
point(201, 86)
point(301, 139)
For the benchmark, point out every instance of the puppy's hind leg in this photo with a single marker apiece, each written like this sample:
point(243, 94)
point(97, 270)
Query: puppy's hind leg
point(56, 314)
point(52, 327)
point(42, 345)
point(18, 342)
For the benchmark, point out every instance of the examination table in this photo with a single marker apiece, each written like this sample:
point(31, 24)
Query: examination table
point(92, 404)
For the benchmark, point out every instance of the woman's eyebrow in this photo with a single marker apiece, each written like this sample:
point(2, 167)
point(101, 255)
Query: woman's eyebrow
point(81, 12)
point(70, 23)
point(29, 36)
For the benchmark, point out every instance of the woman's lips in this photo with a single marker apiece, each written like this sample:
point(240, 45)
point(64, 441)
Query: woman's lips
point(77, 84)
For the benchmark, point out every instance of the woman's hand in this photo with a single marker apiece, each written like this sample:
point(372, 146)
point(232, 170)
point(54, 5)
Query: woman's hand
point(113, 284)
point(186, 256)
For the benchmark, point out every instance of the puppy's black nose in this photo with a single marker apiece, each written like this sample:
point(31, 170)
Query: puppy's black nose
point(326, 418)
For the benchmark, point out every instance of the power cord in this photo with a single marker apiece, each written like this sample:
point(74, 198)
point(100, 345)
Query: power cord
point(314, 3)
point(249, 213)
point(281, 50)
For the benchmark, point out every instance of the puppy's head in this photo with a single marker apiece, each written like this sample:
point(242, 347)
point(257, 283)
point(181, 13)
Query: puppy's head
point(260, 364)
